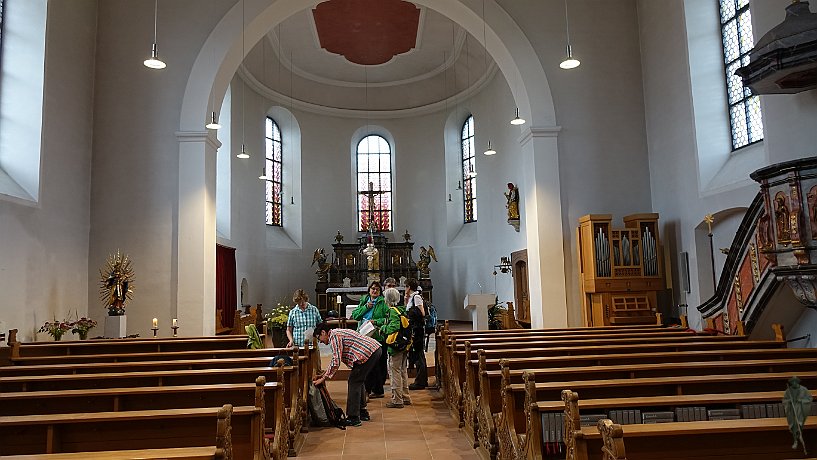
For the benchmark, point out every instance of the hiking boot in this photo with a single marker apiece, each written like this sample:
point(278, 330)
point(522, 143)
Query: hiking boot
point(406, 402)
point(364, 416)
point(417, 386)
point(353, 421)
point(394, 405)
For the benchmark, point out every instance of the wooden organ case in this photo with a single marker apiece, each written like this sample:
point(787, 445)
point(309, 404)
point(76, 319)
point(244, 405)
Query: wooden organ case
point(620, 269)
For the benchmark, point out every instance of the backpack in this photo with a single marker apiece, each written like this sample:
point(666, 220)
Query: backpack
point(323, 410)
point(400, 339)
point(430, 319)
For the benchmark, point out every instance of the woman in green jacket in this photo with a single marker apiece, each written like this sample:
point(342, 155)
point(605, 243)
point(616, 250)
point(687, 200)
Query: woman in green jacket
point(373, 307)
point(398, 351)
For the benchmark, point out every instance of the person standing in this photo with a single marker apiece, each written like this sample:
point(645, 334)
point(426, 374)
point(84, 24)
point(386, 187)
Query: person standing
point(359, 353)
point(373, 307)
point(302, 316)
point(397, 351)
point(416, 313)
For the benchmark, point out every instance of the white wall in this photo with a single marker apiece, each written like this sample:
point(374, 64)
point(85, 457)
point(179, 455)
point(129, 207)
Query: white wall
point(676, 194)
point(44, 247)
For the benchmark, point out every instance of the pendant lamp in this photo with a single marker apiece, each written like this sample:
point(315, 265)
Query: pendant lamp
point(490, 150)
point(570, 62)
point(243, 155)
point(153, 61)
point(517, 120)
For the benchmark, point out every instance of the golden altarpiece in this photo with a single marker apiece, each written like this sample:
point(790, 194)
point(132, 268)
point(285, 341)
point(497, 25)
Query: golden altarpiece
point(620, 269)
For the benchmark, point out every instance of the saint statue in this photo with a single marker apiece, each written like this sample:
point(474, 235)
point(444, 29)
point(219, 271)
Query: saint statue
point(512, 195)
point(425, 259)
point(781, 217)
point(797, 406)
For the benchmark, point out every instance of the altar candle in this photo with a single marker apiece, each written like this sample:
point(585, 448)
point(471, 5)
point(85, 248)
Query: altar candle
point(155, 322)
point(174, 322)
point(340, 299)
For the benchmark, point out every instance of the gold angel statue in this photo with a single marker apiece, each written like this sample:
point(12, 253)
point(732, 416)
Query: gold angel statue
point(319, 257)
point(116, 283)
point(425, 258)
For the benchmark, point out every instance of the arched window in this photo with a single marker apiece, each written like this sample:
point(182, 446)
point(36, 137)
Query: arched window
point(744, 107)
point(469, 176)
point(273, 170)
point(374, 174)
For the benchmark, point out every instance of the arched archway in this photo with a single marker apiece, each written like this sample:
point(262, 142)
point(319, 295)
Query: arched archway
point(219, 58)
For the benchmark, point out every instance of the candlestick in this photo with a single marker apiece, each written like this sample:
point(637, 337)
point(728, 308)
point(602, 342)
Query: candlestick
point(340, 300)
point(175, 330)
point(155, 322)
point(155, 330)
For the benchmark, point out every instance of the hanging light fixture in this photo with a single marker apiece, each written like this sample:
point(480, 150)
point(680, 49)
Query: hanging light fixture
point(264, 175)
point(490, 150)
point(517, 120)
point(153, 61)
point(214, 124)
point(243, 153)
point(570, 62)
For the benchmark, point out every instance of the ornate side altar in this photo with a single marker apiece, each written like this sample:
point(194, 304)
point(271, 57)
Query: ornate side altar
point(349, 267)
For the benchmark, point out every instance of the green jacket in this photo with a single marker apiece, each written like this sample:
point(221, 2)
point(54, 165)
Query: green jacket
point(381, 312)
point(392, 324)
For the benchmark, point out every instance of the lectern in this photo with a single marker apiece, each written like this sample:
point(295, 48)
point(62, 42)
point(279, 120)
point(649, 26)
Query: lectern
point(478, 305)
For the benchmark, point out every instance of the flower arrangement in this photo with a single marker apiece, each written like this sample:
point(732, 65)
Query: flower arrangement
point(56, 328)
point(278, 317)
point(82, 326)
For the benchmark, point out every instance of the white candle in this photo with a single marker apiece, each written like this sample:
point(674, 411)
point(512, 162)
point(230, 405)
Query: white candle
point(155, 322)
point(340, 299)
point(174, 322)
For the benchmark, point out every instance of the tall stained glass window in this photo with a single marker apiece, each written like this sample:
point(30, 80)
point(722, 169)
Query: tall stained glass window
point(744, 107)
point(469, 176)
point(374, 173)
point(273, 171)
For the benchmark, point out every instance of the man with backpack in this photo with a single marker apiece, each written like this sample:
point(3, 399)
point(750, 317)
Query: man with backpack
point(361, 354)
point(416, 314)
point(398, 335)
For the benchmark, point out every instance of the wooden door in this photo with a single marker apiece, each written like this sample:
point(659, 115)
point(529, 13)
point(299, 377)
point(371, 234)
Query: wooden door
point(521, 293)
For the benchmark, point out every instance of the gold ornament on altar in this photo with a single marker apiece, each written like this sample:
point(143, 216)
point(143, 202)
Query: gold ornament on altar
point(116, 283)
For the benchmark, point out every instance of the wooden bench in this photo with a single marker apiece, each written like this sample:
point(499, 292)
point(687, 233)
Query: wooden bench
point(521, 400)
point(572, 427)
point(238, 429)
point(763, 439)
point(177, 453)
point(267, 396)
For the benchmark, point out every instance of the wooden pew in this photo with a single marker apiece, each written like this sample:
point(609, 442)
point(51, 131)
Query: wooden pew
point(240, 428)
point(757, 439)
point(572, 426)
point(267, 396)
point(480, 412)
point(148, 356)
point(177, 453)
point(520, 400)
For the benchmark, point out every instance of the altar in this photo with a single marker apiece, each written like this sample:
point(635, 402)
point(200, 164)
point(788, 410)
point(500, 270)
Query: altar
point(348, 272)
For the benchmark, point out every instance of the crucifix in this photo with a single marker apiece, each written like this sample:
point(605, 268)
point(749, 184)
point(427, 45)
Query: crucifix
point(370, 194)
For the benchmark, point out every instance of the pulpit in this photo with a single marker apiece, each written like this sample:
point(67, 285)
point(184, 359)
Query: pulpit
point(478, 305)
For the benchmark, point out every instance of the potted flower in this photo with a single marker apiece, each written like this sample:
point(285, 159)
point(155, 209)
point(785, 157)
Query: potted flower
point(56, 328)
point(277, 324)
point(82, 326)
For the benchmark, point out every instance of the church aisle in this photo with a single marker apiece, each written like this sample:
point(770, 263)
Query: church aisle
point(425, 430)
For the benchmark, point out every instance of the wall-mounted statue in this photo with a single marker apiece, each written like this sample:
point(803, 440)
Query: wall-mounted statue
point(512, 197)
point(425, 258)
point(319, 257)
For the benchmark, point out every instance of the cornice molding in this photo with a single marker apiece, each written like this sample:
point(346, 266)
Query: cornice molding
point(288, 102)
point(538, 131)
point(199, 136)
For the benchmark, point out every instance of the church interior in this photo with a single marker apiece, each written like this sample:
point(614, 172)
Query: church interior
point(591, 163)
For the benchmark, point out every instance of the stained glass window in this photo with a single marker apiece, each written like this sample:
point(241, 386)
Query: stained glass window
point(273, 171)
point(744, 107)
point(374, 173)
point(469, 176)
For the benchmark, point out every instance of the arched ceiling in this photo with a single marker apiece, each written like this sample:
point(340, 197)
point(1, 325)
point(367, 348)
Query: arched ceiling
point(315, 56)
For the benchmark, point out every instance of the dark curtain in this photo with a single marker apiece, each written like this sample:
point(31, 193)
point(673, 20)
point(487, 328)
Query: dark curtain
point(225, 284)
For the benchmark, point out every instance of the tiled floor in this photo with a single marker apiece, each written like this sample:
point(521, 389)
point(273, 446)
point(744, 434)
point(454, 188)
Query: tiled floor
point(424, 430)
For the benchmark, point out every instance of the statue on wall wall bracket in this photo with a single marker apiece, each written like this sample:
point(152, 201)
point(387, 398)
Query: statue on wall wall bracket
point(425, 259)
point(512, 197)
point(319, 257)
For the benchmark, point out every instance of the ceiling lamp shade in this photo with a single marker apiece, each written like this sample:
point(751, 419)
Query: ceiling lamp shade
point(264, 175)
point(569, 62)
point(517, 120)
point(153, 61)
point(490, 150)
point(243, 153)
point(213, 123)
point(784, 61)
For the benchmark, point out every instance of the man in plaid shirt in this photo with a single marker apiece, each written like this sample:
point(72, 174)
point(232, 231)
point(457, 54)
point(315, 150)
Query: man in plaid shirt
point(303, 316)
point(361, 354)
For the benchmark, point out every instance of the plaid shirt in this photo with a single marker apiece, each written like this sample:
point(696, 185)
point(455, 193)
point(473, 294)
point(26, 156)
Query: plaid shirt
point(301, 320)
point(349, 347)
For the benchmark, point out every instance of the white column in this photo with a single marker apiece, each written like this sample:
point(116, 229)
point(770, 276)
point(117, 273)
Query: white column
point(542, 218)
point(196, 233)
